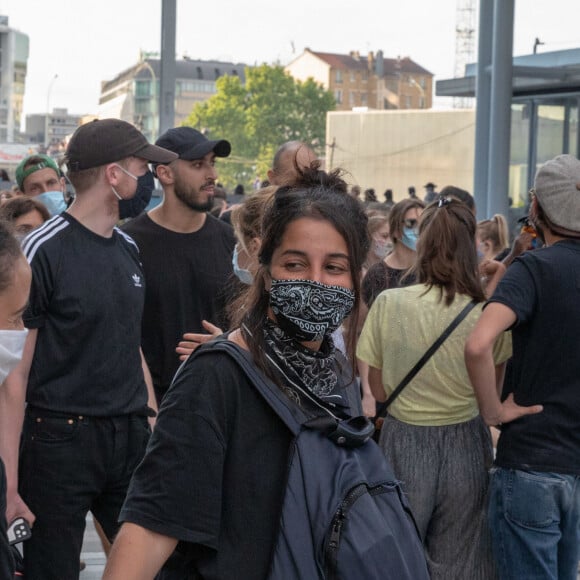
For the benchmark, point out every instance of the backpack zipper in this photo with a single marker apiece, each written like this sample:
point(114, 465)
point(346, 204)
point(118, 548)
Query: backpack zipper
point(338, 521)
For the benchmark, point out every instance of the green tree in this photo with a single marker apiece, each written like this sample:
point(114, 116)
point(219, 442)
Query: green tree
point(257, 118)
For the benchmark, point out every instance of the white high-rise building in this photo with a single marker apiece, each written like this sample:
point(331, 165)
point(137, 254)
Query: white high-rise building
point(14, 48)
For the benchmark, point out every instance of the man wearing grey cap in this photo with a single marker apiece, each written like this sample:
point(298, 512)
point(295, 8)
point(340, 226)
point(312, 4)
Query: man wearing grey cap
point(185, 251)
point(83, 378)
point(535, 490)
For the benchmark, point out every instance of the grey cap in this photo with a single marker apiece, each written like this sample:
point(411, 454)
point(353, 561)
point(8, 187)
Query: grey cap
point(557, 187)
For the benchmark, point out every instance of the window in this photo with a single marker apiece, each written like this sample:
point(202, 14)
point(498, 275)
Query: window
point(338, 96)
point(352, 76)
point(363, 99)
point(352, 98)
point(143, 88)
point(364, 76)
point(408, 102)
point(422, 82)
point(338, 76)
point(196, 87)
point(421, 102)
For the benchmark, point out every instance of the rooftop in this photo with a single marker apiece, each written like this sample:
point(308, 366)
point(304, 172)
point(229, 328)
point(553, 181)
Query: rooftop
point(354, 61)
point(532, 74)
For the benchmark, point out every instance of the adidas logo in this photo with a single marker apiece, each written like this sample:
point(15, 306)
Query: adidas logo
point(137, 281)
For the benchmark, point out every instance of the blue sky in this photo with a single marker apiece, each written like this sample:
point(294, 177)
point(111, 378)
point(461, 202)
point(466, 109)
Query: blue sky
point(85, 43)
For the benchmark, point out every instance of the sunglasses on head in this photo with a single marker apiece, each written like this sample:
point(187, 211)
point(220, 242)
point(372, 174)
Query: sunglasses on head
point(411, 223)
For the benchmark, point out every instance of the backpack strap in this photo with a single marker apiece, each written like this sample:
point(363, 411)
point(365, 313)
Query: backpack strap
point(289, 413)
point(351, 432)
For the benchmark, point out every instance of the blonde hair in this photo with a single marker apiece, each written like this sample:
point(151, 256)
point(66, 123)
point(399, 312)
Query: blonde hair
point(376, 222)
point(247, 216)
point(496, 231)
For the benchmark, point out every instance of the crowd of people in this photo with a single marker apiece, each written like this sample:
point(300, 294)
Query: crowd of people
point(118, 396)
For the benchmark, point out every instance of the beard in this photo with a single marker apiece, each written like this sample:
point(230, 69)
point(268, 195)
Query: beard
point(190, 199)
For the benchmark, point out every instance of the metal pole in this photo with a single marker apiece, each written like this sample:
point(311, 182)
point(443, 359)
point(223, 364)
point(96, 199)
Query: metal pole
point(578, 129)
point(501, 97)
point(566, 131)
point(47, 118)
point(167, 64)
point(532, 143)
point(482, 110)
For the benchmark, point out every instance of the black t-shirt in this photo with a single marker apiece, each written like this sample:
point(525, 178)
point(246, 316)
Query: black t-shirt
point(188, 277)
point(542, 288)
point(382, 277)
point(215, 471)
point(86, 301)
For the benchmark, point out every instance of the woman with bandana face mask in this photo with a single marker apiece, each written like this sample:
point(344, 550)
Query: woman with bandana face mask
point(224, 438)
point(15, 278)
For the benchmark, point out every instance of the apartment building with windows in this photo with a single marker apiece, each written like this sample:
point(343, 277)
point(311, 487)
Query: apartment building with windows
point(133, 95)
point(14, 49)
point(371, 81)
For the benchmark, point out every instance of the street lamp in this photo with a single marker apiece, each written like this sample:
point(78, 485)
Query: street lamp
point(46, 119)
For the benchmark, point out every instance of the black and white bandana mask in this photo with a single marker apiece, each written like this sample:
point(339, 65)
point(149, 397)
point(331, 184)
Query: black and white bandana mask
point(307, 310)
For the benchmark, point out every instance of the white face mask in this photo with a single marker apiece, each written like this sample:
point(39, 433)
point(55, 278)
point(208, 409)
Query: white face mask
point(11, 347)
point(126, 173)
point(382, 248)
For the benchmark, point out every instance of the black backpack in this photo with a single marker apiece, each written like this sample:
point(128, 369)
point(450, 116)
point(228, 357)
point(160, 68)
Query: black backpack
point(344, 514)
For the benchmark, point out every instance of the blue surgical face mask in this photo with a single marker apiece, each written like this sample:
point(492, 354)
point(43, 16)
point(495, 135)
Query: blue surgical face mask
point(53, 201)
point(130, 208)
point(409, 238)
point(244, 276)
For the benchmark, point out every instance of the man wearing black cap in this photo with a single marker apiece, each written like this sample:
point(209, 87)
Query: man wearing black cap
point(534, 507)
point(82, 374)
point(186, 252)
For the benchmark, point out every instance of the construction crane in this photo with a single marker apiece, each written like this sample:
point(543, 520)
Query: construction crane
point(465, 43)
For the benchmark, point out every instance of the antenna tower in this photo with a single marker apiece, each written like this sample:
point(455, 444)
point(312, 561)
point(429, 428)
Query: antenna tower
point(465, 38)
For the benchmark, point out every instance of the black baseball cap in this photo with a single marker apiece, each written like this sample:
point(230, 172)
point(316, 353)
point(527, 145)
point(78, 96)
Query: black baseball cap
point(190, 144)
point(108, 140)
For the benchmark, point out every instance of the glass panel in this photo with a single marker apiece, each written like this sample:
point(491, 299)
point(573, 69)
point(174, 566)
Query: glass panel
point(573, 128)
point(550, 131)
point(142, 88)
point(520, 132)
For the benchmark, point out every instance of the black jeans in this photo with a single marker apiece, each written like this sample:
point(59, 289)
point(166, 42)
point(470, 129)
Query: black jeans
point(69, 465)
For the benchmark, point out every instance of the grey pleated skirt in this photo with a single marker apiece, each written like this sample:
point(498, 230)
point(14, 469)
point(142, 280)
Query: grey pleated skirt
point(445, 474)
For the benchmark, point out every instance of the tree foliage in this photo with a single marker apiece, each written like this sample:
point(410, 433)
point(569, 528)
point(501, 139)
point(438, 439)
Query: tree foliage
point(257, 118)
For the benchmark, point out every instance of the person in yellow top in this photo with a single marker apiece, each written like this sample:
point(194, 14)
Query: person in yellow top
point(434, 437)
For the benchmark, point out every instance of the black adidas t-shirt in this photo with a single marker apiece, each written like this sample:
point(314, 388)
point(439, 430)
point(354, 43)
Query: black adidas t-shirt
point(542, 288)
point(188, 280)
point(86, 301)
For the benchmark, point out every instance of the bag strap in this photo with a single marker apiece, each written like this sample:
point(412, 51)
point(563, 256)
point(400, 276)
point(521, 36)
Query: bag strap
point(351, 432)
point(290, 414)
point(382, 410)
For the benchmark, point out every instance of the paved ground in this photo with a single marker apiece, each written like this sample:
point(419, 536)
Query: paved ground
point(92, 554)
point(95, 558)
